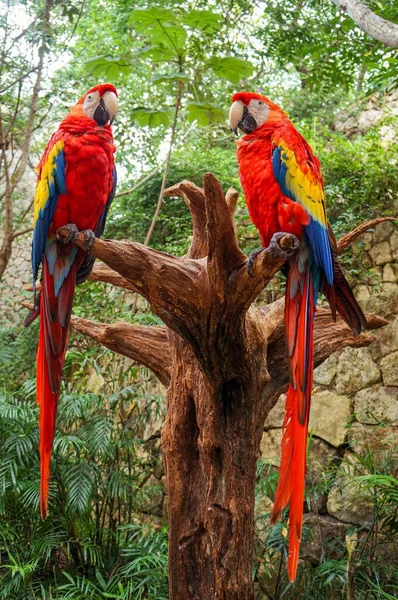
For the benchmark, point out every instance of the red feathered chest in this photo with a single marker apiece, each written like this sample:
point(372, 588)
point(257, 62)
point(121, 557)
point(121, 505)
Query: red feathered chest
point(89, 172)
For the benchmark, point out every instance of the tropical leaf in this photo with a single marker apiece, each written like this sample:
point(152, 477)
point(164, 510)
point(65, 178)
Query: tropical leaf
point(108, 67)
point(204, 20)
point(151, 117)
point(231, 68)
point(80, 484)
point(142, 19)
point(205, 113)
point(156, 79)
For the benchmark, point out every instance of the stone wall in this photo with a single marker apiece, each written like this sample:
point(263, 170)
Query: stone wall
point(354, 411)
point(374, 111)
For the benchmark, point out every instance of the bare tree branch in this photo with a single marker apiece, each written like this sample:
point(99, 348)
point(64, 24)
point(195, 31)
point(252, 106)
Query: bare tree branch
point(146, 345)
point(102, 272)
point(150, 347)
point(195, 200)
point(378, 28)
point(347, 239)
point(6, 246)
point(167, 282)
point(21, 78)
point(140, 183)
point(21, 232)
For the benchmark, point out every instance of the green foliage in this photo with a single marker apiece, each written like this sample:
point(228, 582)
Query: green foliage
point(323, 46)
point(367, 554)
point(88, 545)
point(17, 355)
point(108, 67)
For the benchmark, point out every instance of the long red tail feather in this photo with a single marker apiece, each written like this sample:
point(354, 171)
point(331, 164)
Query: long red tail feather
point(299, 316)
point(299, 319)
point(54, 327)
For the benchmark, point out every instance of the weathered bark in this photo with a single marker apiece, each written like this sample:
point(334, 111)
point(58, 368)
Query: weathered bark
point(378, 28)
point(224, 361)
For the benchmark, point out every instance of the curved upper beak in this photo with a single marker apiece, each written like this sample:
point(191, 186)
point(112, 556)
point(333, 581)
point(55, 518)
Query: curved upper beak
point(239, 116)
point(107, 109)
point(111, 105)
point(236, 115)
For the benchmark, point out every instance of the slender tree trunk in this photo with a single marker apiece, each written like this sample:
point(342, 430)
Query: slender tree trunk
point(6, 244)
point(166, 165)
point(164, 178)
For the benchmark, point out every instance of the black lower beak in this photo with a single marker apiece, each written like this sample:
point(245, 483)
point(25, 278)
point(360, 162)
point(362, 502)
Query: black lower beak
point(101, 115)
point(248, 123)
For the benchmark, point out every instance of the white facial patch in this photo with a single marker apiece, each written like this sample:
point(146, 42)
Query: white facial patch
point(259, 110)
point(90, 103)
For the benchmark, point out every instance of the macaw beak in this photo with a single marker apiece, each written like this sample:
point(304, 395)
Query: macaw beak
point(107, 109)
point(239, 116)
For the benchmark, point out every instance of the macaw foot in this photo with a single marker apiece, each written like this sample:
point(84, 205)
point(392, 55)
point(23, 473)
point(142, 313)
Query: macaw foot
point(66, 234)
point(284, 248)
point(89, 238)
point(279, 248)
point(34, 312)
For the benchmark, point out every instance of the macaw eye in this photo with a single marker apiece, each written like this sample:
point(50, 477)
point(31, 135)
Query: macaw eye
point(89, 96)
point(260, 102)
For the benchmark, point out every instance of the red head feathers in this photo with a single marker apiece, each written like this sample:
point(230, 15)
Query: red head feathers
point(101, 88)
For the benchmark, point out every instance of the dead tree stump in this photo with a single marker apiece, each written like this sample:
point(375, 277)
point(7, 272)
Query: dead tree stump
point(224, 362)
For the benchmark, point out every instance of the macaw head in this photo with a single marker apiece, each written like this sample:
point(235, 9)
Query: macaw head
point(249, 111)
point(99, 103)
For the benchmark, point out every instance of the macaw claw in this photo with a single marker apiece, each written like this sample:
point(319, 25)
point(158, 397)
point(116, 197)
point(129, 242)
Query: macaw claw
point(279, 248)
point(66, 234)
point(34, 312)
point(89, 238)
point(284, 248)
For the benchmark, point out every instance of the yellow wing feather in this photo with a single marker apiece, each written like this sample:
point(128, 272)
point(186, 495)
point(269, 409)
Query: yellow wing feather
point(45, 181)
point(304, 186)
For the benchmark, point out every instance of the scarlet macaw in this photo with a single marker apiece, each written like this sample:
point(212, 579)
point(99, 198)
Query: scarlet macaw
point(75, 186)
point(283, 186)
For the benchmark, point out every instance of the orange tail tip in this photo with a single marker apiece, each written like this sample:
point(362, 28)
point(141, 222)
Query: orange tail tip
point(292, 561)
point(291, 486)
point(44, 486)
